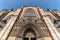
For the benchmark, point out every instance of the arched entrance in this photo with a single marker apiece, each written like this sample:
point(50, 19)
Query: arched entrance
point(29, 31)
point(29, 34)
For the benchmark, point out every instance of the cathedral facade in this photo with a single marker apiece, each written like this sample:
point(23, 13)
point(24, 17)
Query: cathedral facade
point(29, 23)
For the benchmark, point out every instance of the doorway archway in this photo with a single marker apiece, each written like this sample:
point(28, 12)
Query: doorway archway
point(29, 34)
point(29, 29)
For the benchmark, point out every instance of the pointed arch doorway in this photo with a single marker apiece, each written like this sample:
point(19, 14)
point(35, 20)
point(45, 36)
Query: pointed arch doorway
point(29, 34)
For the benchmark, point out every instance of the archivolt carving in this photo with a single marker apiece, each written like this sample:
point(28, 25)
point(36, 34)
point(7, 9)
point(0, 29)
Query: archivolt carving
point(32, 26)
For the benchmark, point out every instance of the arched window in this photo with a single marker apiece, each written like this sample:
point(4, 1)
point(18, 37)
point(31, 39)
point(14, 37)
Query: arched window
point(29, 12)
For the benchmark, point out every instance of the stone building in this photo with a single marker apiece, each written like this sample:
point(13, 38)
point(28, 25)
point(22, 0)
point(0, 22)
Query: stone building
point(29, 23)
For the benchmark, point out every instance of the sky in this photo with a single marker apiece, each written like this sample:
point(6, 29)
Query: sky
point(44, 4)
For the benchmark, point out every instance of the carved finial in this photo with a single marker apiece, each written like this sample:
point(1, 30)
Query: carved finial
point(22, 6)
point(37, 6)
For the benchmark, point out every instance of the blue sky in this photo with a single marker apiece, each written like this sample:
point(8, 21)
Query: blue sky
point(45, 4)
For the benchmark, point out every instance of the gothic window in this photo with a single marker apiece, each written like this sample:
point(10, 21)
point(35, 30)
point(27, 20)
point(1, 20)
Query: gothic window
point(29, 12)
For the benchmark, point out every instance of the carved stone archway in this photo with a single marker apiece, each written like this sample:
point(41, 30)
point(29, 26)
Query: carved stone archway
point(29, 34)
point(29, 29)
